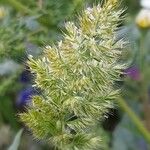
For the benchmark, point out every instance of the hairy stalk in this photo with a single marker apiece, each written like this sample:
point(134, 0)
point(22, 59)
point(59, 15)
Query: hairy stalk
point(76, 77)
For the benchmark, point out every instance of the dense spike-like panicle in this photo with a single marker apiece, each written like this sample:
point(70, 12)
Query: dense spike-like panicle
point(77, 77)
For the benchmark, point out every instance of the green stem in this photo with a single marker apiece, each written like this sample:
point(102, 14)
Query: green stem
point(123, 105)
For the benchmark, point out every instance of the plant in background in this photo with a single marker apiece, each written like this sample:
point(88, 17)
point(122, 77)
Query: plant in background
point(2, 12)
point(77, 78)
point(135, 100)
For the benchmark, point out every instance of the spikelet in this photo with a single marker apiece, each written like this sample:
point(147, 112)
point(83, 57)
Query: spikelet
point(77, 76)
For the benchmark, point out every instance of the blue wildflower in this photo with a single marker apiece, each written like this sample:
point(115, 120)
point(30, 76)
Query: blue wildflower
point(133, 72)
point(25, 76)
point(25, 96)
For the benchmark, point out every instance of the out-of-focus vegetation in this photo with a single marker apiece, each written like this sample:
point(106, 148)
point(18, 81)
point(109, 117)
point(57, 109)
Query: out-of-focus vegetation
point(28, 26)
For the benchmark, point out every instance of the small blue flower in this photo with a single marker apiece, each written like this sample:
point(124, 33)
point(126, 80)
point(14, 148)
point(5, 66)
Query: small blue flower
point(133, 72)
point(25, 76)
point(25, 96)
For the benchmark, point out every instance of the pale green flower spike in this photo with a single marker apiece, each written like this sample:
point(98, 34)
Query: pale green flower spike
point(77, 77)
